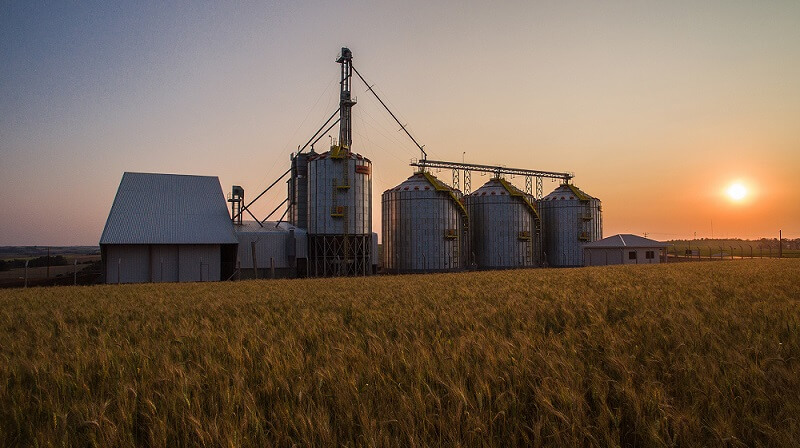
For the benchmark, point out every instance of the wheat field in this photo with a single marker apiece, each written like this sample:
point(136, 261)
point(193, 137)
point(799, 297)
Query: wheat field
point(693, 354)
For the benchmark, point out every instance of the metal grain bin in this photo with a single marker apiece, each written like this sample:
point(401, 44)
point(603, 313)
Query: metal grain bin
point(570, 218)
point(298, 190)
point(504, 227)
point(423, 226)
point(339, 213)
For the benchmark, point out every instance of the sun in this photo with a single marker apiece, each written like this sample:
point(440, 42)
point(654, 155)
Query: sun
point(737, 191)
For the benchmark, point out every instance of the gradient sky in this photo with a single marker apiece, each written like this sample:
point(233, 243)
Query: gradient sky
point(655, 106)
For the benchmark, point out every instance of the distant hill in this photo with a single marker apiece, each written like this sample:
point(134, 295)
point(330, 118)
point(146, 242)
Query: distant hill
point(38, 251)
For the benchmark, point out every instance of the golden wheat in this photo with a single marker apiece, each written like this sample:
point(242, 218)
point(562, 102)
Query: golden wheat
point(678, 355)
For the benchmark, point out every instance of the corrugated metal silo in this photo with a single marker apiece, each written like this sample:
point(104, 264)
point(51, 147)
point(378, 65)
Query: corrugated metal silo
point(504, 225)
point(423, 226)
point(570, 218)
point(339, 213)
point(298, 190)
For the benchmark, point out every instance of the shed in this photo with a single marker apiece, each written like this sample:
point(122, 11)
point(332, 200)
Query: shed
point(168, 228)
point(623, 249)
point(281, 250)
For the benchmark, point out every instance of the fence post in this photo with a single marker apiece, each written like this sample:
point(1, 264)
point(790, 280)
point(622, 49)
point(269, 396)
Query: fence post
point(271, 267)
point(255, 261)
point(119, 267)
point(75, 274)
point(26, 273)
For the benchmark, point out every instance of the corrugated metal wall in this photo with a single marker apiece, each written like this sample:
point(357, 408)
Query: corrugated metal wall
point(128, 263)
point(198, 263)
point(269, 245)
point(422, 228)
point(502, 228)
point(141, 263)
point(324, 174)
point(164, 260)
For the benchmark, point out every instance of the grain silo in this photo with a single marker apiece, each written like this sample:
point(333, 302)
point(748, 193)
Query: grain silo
point(298, 190)
point(504, 226)
point(339, 213)
point(423, 226)
point(570, 218)
point(340, 197)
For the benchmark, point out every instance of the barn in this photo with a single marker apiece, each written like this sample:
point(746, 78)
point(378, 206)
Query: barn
point(168, 228)
point(623, 249)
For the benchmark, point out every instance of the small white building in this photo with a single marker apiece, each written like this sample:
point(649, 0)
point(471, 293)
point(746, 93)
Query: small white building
point(281, 250)
point(168, 228)
point(623, 249)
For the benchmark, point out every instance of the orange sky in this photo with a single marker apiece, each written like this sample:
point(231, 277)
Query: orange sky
point(656, 108)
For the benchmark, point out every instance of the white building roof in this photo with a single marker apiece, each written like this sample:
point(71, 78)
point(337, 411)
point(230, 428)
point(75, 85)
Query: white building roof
point(267, 227)
point(168, 209)
point(624, 240)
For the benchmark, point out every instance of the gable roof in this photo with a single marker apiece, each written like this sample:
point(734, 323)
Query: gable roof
point(168, 209)
point(624, 240)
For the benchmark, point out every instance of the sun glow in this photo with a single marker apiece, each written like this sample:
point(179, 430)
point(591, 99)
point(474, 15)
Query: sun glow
point(736, 192)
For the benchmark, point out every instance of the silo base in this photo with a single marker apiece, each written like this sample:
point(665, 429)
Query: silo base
point(339, 255)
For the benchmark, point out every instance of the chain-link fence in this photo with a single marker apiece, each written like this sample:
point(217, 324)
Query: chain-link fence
point(717, 252)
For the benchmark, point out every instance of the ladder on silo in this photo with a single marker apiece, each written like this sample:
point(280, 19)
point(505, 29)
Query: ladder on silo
point(339, 185)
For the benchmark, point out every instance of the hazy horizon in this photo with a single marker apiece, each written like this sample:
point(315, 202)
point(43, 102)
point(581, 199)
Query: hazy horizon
point(657, 108)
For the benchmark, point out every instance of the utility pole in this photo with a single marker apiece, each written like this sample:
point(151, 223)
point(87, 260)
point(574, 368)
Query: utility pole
point(780, 243)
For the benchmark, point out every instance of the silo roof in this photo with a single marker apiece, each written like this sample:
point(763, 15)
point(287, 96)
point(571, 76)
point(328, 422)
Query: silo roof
point(168, 209)
point(426, 181)
point(566, 192)
point(423, 181)
point(337, 154)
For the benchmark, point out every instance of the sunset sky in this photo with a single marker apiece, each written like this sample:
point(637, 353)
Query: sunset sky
point(657, 107)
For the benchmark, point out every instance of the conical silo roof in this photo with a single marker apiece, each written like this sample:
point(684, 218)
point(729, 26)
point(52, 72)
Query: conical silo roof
point(568, 192)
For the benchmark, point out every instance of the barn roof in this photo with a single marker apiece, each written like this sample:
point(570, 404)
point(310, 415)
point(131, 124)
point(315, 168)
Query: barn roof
point(624, 240)
point(168, 209)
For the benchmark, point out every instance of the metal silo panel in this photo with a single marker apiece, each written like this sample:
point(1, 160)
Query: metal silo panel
point(340, 215)
point(299, 185)
point(571, 218)
point(330, 188)
point(422, 227)
point(502, 228)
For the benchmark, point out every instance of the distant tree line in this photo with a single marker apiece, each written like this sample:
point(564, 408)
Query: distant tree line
point(57, 260)
point(763, 243)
